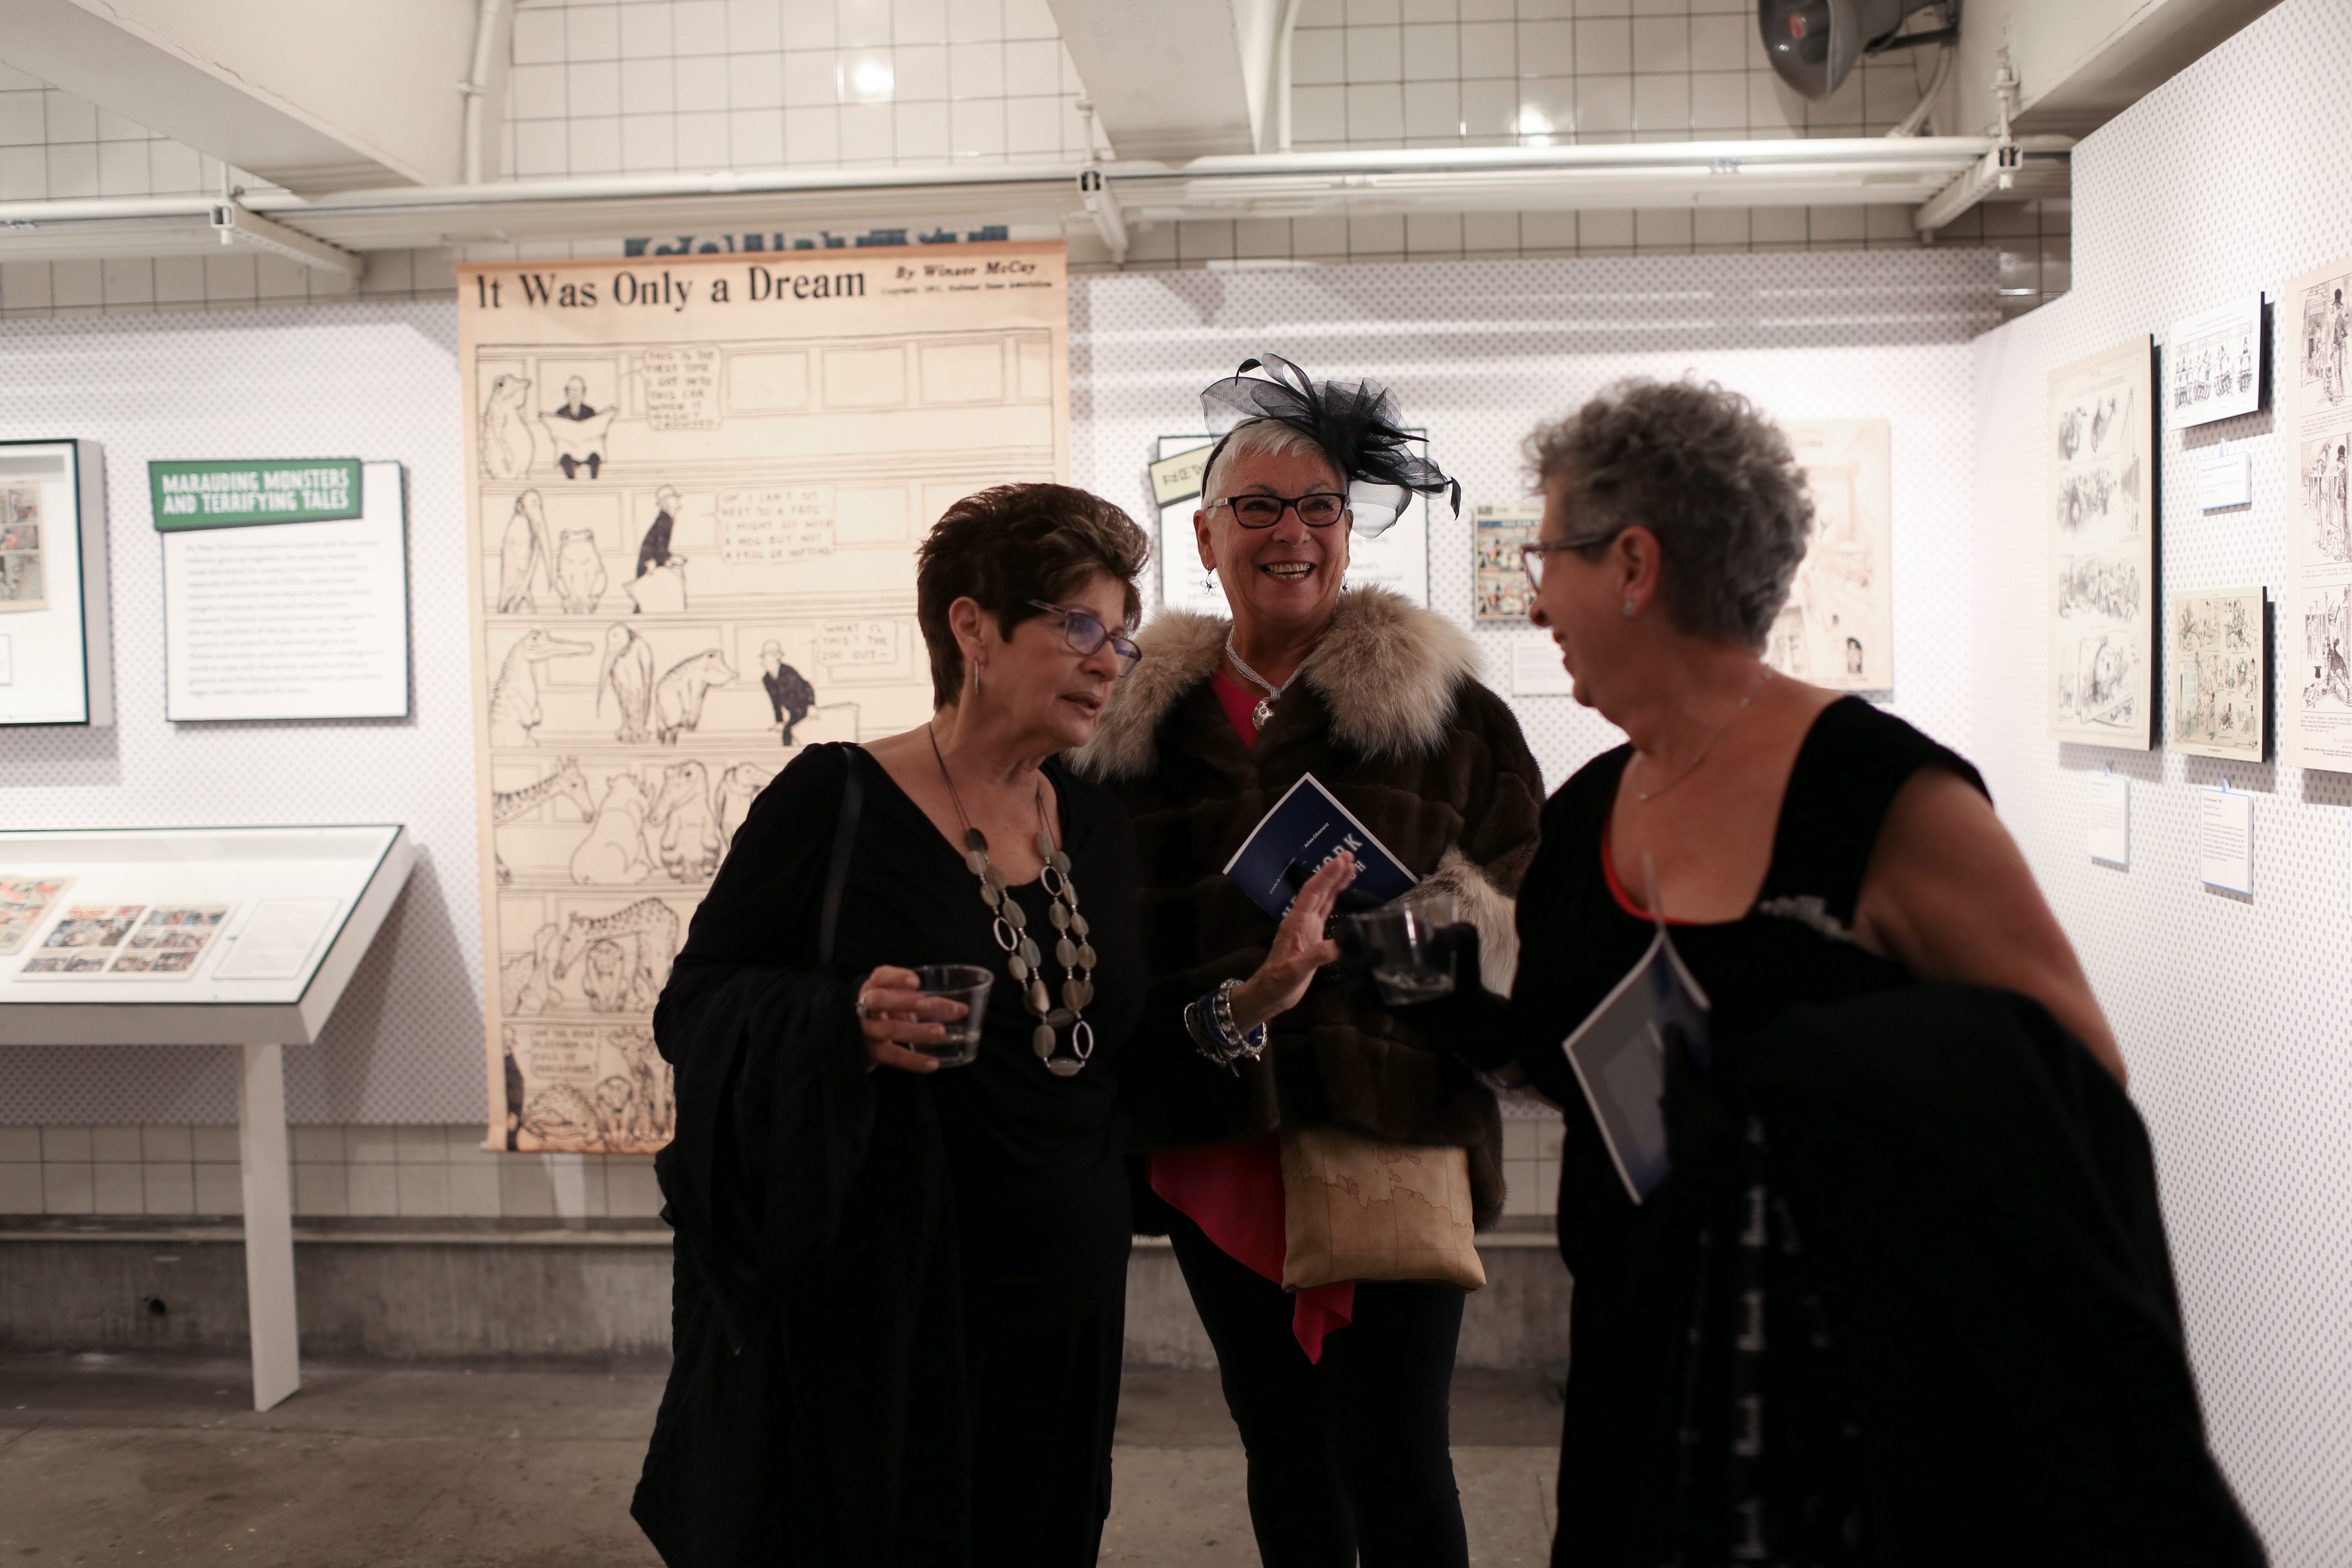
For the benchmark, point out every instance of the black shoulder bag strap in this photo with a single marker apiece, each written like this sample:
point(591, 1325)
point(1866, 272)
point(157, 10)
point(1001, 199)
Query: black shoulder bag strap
point(844, 837)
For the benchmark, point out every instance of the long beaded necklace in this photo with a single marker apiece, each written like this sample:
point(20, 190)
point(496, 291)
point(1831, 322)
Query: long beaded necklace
point(1022, 957)
point(1264, 708)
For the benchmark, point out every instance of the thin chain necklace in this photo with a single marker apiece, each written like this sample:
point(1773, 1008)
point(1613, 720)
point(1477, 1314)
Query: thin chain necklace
point(1264, 708)
point(1711, 739)
point(1022, 957)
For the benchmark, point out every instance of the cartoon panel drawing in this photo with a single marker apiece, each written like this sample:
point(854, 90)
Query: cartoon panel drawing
point(692, 552)
point(2218, 676)
point(2102, 550)
point(1838, 627)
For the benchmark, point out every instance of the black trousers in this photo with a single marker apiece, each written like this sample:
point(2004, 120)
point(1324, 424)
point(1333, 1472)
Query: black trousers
point(1044, 1399)
point(1348, 1455)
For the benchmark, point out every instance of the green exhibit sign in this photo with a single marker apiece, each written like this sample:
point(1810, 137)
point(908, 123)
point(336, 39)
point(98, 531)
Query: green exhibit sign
point(239, 495)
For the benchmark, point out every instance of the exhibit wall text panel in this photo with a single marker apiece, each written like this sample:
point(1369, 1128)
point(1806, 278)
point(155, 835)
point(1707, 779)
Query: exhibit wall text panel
point(2230, 1008)
point(695, 486)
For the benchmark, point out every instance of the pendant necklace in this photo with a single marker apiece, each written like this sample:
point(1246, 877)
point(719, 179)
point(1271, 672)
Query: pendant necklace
point(1264, 708)
point(1023, 959)
point(1711, 739)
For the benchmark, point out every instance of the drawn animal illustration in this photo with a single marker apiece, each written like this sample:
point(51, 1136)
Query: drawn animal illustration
point(653, 1097)
point(579, 571)
point(628, 673)
point(661, 589)
point(738, 786)
point(562, 1115)
point(690, 844)
point(677, 696)
point(524, 554)
point(602, 980)
point(514, 697)
point(507, 805)
point(523, 979)
point(506, 430)
point(614, 853)
point(649, 925)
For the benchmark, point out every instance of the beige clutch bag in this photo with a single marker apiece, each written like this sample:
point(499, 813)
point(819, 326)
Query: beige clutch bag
point(1360, 1207)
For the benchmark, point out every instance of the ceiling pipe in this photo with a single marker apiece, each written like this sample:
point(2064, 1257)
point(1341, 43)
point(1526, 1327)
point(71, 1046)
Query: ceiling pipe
point(476, 86)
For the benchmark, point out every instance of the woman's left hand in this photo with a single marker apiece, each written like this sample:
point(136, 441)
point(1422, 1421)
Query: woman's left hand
point(1300, 949)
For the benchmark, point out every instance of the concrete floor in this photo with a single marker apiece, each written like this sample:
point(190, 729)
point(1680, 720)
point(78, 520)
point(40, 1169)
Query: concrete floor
point(109, 1459)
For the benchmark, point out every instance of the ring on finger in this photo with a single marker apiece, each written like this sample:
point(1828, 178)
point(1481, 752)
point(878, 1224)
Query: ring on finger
point(864, 1011)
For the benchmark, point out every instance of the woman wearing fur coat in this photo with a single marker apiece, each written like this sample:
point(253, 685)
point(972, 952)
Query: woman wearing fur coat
point(1339, 1391)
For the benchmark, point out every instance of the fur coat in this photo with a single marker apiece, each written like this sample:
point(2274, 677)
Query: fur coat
point(1388, 714)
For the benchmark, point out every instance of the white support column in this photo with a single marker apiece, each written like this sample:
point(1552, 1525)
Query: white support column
point(268, 1225)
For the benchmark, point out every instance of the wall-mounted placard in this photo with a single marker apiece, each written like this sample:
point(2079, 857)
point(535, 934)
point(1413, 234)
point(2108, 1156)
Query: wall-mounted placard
point(237, 494)
point(2108, 821)
point(56, 666)
point(2225, 840)
point(2214, 362)
point(270, 620)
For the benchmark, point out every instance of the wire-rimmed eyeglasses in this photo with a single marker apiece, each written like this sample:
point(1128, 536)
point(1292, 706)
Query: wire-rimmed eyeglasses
point(1086, 635)
point(1532, 556)
point(1320, 508)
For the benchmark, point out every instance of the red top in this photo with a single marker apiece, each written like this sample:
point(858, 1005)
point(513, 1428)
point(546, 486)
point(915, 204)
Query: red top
point(1233, 1191)
point(1617, 889)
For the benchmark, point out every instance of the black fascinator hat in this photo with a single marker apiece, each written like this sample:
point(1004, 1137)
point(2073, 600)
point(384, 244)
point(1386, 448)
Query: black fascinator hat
point(1355, 426)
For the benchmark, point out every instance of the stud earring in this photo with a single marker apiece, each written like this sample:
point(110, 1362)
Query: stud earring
point(1629, 609)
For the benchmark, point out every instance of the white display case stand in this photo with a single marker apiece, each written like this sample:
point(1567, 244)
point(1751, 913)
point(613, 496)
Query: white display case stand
point(298, 908)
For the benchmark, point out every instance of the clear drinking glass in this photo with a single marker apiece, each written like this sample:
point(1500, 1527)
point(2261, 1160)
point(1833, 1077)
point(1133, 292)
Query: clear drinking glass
point(964, 982)
point(1396, 937)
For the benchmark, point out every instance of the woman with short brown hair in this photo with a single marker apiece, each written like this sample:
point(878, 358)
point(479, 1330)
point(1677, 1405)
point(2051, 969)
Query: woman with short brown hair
point(901, 1291)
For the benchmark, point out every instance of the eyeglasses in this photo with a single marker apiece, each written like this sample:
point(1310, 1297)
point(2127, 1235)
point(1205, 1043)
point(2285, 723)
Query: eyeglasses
point(1087, 635)
point(1532, 556)
point(1320, 509)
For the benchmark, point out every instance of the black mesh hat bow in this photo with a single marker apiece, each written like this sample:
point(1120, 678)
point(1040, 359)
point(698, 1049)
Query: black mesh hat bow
point(1355, 426)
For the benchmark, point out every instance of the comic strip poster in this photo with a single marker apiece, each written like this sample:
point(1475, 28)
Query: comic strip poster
point(2315, 651)
point(1499, 591)
point(2218, 672)
point(1838, 627)
point(2103, 550)
point(695, 488)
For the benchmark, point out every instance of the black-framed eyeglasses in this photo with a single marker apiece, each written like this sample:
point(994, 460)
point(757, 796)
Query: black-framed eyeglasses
point(1320, 508)
point(1532, 556)
point(1086, 635)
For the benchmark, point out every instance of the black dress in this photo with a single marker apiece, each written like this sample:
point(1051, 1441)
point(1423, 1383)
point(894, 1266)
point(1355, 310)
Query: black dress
point(938, 1290)
point(1813, 1036)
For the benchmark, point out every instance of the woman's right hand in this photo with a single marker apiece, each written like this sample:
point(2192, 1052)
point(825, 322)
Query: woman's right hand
point(893, 1014)
point(1300, 948)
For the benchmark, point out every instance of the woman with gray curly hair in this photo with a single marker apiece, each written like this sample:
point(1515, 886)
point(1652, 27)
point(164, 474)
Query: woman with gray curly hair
point(1867, 1258)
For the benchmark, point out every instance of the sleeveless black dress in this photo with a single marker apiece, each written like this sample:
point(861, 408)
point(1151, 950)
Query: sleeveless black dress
point(1577, 939)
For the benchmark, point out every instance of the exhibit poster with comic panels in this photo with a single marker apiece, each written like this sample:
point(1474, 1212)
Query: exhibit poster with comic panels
point(2102, 549)
point(695, 488)
point(1838, 627)
point(2214, 662)
point(2315, 320)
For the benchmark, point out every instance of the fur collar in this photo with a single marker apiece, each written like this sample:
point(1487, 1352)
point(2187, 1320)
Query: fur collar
point(1387, 669)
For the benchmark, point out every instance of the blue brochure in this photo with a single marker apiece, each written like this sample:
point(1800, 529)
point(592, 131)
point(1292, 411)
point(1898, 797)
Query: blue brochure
point(1619, 1053)
point(1305, 828)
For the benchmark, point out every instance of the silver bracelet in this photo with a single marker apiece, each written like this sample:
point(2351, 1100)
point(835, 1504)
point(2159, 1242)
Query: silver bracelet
point(1209, 1022)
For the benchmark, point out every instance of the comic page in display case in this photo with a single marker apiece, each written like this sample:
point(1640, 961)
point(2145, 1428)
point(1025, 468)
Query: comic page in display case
point(695, 488)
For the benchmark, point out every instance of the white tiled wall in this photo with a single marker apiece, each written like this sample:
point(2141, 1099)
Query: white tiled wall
point(663, 85)
point(409, 1172)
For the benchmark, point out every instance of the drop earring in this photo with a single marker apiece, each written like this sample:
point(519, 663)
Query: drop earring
point(1629, 609)
point(975, 676)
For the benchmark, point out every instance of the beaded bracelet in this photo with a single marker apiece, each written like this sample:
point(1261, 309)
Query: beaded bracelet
point(1209, 1022)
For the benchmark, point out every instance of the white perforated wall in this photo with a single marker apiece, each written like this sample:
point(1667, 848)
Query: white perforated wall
point(2231, 1011)
point(375, 381)
point(1477, 352)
